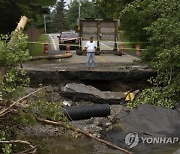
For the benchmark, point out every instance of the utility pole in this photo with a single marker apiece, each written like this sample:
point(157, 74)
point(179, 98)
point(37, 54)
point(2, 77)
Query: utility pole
point(79, 9)
point(45, 24)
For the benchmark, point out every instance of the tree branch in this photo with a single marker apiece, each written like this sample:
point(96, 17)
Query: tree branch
point(21, 142)
point(3, 112)
point(50, 57)
point(170, 75)
point(73, 128)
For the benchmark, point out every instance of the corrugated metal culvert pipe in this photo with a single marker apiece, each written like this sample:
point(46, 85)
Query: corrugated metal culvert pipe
point(87, 111)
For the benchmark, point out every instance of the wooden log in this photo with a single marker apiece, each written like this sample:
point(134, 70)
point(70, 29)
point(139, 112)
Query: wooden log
point(22, 23)
point(20, 27)
point(50, 57)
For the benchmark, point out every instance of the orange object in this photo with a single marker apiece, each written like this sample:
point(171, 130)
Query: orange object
point(67, 47)
point(121, 48)
point(138, 50)
point(45, 48)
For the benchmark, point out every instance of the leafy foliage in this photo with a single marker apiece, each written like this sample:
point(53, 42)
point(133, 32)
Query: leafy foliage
point(59, 20)
point(163, 51)
point(12, 54)
point(156, 96)
point(136, 16)
point(7, 149)
point(111, 9)
point(47, 109)
point(14, 80)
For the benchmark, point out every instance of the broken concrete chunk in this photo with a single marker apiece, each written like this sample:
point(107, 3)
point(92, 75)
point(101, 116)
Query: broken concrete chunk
point(90, 93)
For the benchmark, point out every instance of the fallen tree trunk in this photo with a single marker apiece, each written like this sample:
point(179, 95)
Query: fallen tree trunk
point(22, 23)
point(20, 27)
point(73, 128)
point(50, 57)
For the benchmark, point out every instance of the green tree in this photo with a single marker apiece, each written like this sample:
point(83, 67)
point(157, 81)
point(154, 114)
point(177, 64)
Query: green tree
point(158, 22)
point(12, 10)
point(59, 22)
point(89, 9)
point(111, 9)
point(73, 14)
point(138, 15)
point(163, 50)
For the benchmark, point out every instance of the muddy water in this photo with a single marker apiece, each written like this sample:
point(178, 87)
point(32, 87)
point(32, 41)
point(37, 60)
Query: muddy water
point(64, 145)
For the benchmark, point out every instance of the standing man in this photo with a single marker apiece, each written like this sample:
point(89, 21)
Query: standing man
point(90, 49)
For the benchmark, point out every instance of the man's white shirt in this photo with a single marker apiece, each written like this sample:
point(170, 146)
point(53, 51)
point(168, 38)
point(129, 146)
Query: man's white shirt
point(90, 46)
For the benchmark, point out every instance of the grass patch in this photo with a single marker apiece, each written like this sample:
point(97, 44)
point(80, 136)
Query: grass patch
point(36, 49)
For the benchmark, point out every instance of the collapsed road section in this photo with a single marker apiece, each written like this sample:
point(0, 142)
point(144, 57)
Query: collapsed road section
point(55, 74)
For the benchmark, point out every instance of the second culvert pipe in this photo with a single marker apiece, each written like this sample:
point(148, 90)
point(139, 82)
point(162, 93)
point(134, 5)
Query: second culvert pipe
point(87, 111)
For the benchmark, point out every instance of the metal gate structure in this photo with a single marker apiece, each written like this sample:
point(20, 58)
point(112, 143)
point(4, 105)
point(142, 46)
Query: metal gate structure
point(103, 31)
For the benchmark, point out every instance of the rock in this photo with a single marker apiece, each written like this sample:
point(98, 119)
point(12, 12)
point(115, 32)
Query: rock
point(147, 121)
point(104, 123)
point(178, 108)
point(40, 130)
point(89, 93)
point(56, 97)
point(50, 89)
point(89, 125)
